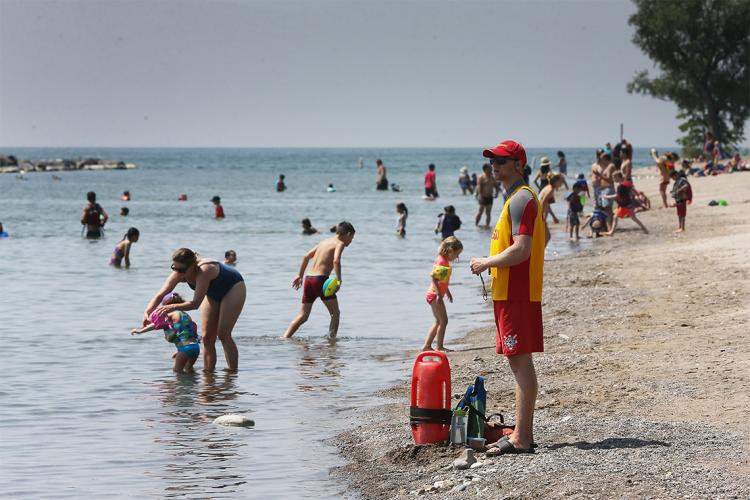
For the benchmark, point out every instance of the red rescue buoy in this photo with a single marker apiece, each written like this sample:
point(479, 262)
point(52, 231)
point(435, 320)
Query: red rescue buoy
point(430, 398)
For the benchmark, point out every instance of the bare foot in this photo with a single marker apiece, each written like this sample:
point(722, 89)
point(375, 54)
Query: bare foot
point(678, 230)
point(444, 349)
point(425, 349)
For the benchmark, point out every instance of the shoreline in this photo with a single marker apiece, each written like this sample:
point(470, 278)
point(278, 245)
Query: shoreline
point(642, 388)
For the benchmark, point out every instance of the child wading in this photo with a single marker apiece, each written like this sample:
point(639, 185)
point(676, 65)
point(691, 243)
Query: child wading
point(682, 193)
point(327, 255)
point(403, 214)
point(448, 251)
point(179, 329)
point(122, 249)
point(575, 207)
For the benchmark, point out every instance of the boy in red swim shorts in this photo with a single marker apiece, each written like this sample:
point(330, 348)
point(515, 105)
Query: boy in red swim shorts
point(327, 258)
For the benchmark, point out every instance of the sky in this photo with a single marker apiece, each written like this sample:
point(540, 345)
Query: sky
point(322, 73)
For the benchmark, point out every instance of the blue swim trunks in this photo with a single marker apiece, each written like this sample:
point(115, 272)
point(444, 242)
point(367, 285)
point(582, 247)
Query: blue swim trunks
point(190, 350)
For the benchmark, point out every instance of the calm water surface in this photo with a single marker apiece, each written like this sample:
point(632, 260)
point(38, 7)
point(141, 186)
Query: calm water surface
point(87, 410)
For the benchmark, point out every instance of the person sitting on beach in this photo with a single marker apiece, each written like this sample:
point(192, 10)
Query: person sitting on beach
point(326, 257)
point(218, 209)
point(122, 249)
point(449, 249)
point(547, 196)
point(230, 258)
point(625, 203)
point(448, 222)
point(464, 180)
point(486, 193)
point(307, 227)
point(682, 194)
point(736, 164)
point(575, 207)
point(403, 214)
point(179, 329)
point(597, 222)
point(94, 217)
point(280, 186)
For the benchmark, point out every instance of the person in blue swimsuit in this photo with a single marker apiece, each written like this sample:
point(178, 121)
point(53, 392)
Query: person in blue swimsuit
point(220, 294)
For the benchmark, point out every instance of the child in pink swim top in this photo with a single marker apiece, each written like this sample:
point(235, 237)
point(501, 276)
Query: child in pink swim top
point(449, 250)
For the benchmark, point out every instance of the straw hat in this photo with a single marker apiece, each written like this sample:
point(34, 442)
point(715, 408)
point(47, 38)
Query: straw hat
point(464, 170)
point(544, 162)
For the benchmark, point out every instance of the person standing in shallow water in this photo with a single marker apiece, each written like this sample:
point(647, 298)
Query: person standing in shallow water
point(219, 292)
point(93, 217)
point(381, 181)
point(516, 264)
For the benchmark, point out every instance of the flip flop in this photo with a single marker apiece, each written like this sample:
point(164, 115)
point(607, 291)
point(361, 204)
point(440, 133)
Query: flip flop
point(496, 444)
point(505, 447)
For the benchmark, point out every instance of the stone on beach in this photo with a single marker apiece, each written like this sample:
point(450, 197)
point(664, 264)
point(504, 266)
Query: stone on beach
point(465, 460)
point(234, 420)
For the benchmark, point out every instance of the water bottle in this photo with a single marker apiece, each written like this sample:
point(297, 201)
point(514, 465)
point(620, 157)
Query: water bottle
point(459, 419)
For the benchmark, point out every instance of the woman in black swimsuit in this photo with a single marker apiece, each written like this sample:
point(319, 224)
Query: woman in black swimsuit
point(220, 294)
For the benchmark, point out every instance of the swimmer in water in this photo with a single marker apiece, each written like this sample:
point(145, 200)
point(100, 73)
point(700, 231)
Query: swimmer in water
point(230, 258)
point(3, 234)
point(124, 212)
point(327, 258)
point(218, 209)
point(448, 251)
point(307, 227)
point(403, 214)
point(125, 196)
point(179, 329)
point(122, 249)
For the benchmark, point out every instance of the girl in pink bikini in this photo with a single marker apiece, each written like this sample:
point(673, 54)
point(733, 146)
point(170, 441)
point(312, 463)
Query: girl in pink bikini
point(449, 250)
point(122, 249)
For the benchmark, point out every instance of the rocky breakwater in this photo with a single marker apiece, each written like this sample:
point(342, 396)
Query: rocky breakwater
point(12, 165)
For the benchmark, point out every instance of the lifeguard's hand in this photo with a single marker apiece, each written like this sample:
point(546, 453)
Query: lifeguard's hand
point(297, 282)
point(478, 265)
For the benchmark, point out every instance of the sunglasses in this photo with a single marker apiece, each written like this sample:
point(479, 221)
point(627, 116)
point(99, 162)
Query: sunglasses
point(500, 161)
point(178, 269)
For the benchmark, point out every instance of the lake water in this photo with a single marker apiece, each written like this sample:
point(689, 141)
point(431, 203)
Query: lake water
point(89, 411)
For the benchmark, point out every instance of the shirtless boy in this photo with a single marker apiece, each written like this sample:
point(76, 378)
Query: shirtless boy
point(486, 191)
point(665, 164)
point(602, 173)
point(327, 257)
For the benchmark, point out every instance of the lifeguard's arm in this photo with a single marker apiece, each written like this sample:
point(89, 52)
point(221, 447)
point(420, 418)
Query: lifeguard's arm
point(127, 253)
point(305, 260)
point(337, 261)
point(172, 280)
point(147, 328)
point(518, 252)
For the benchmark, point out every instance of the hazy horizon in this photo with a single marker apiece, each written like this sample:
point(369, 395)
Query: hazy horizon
point(329, 74)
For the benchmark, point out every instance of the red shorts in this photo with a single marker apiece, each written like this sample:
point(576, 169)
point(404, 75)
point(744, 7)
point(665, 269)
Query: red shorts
point(313, 289)
point(681, 209)
point(519, 327)
point(623, 212)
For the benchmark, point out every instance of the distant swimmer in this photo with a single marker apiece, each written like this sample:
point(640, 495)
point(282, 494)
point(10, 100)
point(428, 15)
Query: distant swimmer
point(361, 162)
point(218, 209)
point(219, 291)
point(125, 196)
point(326, 257)
point(230, 258)
point(448, 222)
point(182, 197)
point(430, 182)
point(331, 188)
point(307, 227)
point(465, 182)
point(122, 249)
point(3, 233)
point(403, 214)
point(124, 211)
point(179, 329)
point(381, 181)
point(280, 185)
point(93, 217)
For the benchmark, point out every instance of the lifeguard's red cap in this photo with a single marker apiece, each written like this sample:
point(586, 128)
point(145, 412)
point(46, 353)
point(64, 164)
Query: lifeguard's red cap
point(507, 149)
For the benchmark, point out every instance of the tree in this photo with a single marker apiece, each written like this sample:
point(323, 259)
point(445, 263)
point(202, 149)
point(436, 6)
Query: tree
point(702, 48)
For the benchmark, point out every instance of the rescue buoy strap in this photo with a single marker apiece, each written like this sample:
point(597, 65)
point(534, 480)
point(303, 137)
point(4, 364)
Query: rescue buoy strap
point(429, 415)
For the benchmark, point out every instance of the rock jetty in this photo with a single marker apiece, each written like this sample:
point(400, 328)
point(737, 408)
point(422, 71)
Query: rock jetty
point(11, 165)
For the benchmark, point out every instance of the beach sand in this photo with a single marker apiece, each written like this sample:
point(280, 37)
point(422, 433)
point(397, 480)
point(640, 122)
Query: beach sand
point(643, 388)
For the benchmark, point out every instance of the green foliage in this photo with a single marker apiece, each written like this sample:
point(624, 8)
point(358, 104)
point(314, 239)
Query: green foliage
point(702, 49)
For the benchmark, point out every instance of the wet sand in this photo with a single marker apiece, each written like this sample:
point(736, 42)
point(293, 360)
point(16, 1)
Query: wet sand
point(643, 388)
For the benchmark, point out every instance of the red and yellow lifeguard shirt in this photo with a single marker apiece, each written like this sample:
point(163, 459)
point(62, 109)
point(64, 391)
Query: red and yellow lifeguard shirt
point(521, 215)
